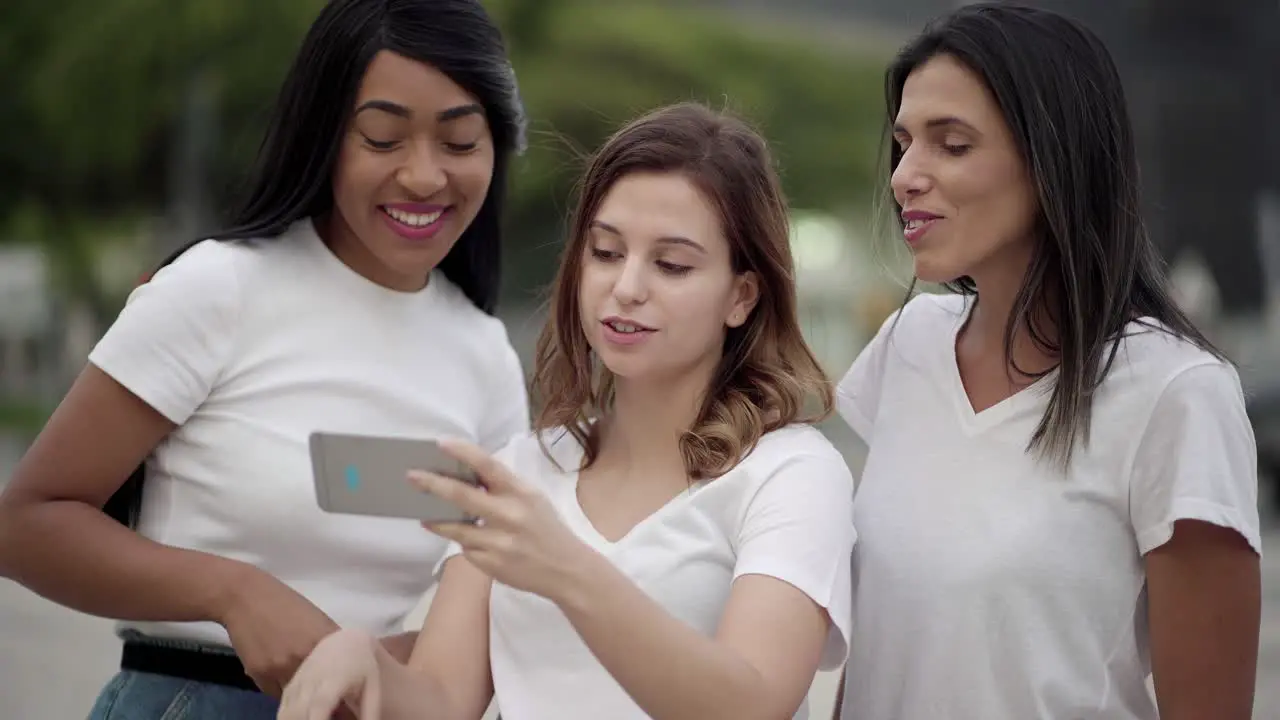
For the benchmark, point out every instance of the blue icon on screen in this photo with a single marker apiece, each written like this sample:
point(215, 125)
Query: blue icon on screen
point(353, 478)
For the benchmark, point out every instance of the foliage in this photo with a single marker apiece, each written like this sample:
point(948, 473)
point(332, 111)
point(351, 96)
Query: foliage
point(98, 90)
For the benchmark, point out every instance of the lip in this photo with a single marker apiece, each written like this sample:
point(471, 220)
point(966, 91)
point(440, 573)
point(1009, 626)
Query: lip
point(925, 220)
point(416, 232)
point(626, 339)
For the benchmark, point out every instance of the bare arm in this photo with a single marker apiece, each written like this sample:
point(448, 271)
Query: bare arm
point(450, 662)
point(1205, 606)
point(55, 540)
point(760, 664)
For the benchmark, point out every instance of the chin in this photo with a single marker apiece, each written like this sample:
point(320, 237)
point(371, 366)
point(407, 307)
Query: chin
point(628, 368)
point(936, 273)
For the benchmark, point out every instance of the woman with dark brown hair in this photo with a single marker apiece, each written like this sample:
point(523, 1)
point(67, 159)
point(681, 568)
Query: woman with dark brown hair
point(673, 541)
point(1059, 503)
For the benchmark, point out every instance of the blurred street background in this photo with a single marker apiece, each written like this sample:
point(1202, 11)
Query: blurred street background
point(125, 125)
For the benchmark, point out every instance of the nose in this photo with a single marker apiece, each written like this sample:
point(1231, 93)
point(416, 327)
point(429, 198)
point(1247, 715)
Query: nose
point(912, 177)
point(423, 174)
point(631, 286)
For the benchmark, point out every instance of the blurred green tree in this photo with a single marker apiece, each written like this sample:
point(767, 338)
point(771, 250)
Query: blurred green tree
point(101, 92)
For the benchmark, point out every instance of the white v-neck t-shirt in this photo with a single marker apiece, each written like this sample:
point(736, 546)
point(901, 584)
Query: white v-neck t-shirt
point(990, 587)
point(785, 511)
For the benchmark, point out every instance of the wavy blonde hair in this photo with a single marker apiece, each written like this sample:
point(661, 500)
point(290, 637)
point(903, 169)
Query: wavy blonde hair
point(767, 374)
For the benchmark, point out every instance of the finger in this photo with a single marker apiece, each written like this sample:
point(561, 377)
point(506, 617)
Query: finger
point(371, 704)
point(495, 476)
point(291, 703)
point(465, 534)
point(473, 500)
point(324, 701)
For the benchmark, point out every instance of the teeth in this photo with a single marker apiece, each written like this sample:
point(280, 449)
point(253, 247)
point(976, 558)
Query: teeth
point(624, 328)
point(413, 219)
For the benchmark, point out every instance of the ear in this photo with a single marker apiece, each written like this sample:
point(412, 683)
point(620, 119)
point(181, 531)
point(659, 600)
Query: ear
point(746, 293)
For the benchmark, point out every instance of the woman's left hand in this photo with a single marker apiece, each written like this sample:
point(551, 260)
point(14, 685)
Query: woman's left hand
point(520, 540)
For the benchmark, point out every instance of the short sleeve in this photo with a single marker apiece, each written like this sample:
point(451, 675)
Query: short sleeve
point(798, 528)
point(858, 394)
point(1197, 460)
point(175, 333)
point(507, 410)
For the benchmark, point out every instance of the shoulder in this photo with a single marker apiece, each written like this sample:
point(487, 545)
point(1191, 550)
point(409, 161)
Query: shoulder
point(930, 313)
point(917, 323)
point(800, 452)
point(206, 263)
point(1154, 365)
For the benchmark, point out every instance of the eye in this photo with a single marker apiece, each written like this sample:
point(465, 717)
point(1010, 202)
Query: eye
point(460, 148)
point(378, 145)
point(956, 149)
point(601, 254)
point(672, 268)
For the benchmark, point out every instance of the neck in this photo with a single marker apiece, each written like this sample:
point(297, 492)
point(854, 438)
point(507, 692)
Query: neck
point(343, 243)
point(984, 332)
point(649, 417)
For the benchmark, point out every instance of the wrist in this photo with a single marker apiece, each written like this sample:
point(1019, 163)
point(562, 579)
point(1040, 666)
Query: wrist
point(230, 581)
point(577, 583)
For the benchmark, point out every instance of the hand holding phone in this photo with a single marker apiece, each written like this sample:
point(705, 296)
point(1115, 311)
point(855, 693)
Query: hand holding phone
point(368, 475)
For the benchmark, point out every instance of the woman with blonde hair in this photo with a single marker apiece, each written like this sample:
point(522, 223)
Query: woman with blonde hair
point(672, 541)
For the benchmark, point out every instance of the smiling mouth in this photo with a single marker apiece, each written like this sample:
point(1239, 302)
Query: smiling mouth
point(417, 220)
point(626, 328)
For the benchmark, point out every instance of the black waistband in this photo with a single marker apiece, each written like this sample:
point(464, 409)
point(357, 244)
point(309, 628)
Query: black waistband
point(197, 665)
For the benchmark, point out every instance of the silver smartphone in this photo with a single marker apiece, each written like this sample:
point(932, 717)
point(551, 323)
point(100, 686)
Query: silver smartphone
point(368, 475)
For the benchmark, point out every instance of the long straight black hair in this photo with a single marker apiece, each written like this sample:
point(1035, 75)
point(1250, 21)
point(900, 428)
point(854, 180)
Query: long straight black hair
point(293, 176)
point(1094, 268)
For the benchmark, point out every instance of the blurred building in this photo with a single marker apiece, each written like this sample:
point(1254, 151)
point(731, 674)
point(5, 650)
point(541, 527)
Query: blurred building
point(27, 322)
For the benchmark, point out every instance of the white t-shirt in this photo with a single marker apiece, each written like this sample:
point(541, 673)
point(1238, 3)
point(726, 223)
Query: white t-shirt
point(249, 347)
point(785, 511)
point(990, 587)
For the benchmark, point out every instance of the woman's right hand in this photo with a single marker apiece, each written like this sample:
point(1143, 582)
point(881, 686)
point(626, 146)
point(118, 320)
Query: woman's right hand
point(342, 670)
point(272, 628)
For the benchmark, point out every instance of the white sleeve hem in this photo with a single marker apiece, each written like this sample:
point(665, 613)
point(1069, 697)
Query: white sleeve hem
point(852, 414)
point(452, 551)
point(129, 375)
point(835, 650)
point(1159, 533)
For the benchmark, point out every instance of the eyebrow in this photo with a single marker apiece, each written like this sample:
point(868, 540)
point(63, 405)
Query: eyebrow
point(665, 239)
point(948, 121)
point(399, 110)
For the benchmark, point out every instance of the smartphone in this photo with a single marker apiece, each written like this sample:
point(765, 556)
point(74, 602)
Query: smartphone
point(368, 475)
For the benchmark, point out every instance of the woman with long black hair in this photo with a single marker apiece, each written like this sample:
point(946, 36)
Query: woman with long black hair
point(352, 293)
point(1060, 499)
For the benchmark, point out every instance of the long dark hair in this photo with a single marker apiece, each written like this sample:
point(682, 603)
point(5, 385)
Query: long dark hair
point(1094, 268)
point(293, 179)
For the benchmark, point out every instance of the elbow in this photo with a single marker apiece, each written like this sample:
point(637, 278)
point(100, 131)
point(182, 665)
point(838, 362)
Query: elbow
point(757, 700)
point(16, 540)
point(10, 532)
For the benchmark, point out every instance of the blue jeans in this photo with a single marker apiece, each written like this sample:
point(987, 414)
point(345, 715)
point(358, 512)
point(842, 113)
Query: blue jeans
point(142, 696)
